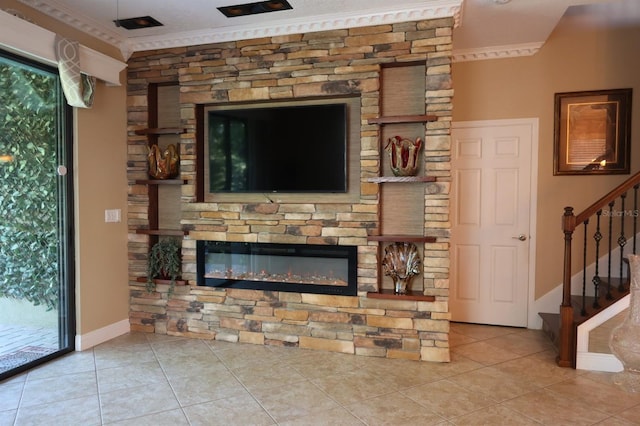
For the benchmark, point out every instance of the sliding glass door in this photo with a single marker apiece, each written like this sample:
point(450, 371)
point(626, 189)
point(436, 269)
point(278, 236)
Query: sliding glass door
point(36, 270)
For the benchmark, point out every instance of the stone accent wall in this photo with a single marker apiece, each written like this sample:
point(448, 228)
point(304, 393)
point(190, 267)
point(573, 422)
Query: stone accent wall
point(298, 66)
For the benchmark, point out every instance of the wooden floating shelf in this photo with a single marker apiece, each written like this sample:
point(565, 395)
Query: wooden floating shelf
point(402, 238)
point(161, 131)
point(166, 232)
point(161, 181)
point(397, 119)
point(389, 294)
point(387, 179)
point(159, 281)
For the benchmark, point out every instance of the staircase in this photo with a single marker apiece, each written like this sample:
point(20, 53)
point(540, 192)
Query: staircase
point(596, 243)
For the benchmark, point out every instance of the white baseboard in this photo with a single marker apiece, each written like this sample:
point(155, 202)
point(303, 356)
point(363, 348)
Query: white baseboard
point(586, 360)
point(550, 302)
point(101, 335)
point(598, 362)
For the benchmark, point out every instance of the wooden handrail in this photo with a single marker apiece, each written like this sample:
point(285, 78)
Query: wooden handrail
point(593, 208)
point(567, 337)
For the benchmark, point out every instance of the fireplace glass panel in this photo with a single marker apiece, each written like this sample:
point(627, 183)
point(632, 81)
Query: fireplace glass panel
point(278, 267)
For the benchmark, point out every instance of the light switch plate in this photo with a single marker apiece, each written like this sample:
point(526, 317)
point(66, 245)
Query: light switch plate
point(112, 215)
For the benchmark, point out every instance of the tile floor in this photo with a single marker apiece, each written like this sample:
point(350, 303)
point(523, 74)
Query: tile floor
point(498, 376)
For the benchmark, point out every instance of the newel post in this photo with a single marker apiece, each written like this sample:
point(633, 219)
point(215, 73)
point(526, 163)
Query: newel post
point(566, 356)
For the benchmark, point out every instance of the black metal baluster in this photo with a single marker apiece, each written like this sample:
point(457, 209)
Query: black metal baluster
point(596, 278)
point(609, 296)
point(622, 241)
point(583, 312)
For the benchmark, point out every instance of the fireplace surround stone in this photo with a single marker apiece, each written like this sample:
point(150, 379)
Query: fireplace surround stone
point(323, 64)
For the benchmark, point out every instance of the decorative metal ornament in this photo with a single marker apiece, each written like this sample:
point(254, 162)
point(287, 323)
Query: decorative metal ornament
point(163, 165)
point(401, 262)
point(404, 155)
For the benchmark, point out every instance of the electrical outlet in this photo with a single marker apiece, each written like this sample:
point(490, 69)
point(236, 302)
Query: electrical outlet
point(112, 215)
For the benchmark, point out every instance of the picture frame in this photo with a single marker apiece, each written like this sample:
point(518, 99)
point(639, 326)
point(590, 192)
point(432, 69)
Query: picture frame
point(592, 132)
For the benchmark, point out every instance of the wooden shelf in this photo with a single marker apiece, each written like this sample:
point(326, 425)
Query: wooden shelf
point(402, 238)
point(387, 179)
point(165, 232)
point(411, 295)
point(159, 281)
point(161, 181)
point(397, 119)
point(161, 131)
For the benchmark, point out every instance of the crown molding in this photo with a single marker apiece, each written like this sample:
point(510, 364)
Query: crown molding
point(497, 52)
point(39, 45)
point(431, 10)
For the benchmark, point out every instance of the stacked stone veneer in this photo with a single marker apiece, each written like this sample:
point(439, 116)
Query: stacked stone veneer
point(327, 63)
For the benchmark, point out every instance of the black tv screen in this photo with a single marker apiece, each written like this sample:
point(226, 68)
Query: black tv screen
point(297, 149)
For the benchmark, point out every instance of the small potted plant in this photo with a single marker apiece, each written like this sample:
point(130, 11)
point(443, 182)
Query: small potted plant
point(164, 263)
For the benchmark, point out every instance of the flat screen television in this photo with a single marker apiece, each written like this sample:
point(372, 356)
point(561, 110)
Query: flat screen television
point(271, 148)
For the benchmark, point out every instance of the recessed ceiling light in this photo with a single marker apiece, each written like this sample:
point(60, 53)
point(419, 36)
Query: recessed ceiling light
point(254, 8)
point(137, 23)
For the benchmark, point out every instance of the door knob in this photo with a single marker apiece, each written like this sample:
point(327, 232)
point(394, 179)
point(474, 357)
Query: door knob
point(520, 237)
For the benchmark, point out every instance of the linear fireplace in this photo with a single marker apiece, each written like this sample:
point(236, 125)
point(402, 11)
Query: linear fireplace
point(301, 268)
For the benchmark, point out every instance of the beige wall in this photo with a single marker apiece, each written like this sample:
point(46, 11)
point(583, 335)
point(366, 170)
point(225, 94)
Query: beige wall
point(100, 183)
point(574, 58)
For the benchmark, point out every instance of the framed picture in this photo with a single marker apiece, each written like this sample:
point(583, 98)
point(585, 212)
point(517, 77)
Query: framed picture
point(592, 132)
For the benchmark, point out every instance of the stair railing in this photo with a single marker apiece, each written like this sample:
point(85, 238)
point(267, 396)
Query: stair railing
point(611, 205)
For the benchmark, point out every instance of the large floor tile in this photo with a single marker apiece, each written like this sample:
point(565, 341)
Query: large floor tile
point(61, 388)
point(78, 411)
point(10, 395)
point(130, 376)
point(295, 401)
point(494, 415)
point(165, 418)
point(448, 399)
point(485, 353)
point(550, 408)
point(7, 418)
point(206, 386)
point(237, 410)
point(593, 393)
point(351, 387)
point(393, 409)
point(137, 402)
point(494, 384)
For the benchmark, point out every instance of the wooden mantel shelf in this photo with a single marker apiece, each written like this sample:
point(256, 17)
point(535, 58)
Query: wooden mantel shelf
point(389, 294)
point(401, 179)
point(161, 131)
point(161, 281)
point(161, 181)
point(402, 238)
point(165, 232)
point(396, 119)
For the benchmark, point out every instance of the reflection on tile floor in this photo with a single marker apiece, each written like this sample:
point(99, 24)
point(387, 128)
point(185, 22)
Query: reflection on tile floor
point(498, 376)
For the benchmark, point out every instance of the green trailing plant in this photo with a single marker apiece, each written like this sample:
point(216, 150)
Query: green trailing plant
point(164, 263)
point(29, 234)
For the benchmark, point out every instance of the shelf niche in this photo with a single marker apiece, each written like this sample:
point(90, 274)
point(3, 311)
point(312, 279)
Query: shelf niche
point(402, 206)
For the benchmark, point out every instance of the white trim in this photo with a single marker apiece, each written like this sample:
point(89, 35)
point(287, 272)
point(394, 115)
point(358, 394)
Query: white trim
point(496, 52)
point(25, 38)
point(532, 321)
point(598, 362)
point(390, 14)
point(586, 360)
point(101, 335)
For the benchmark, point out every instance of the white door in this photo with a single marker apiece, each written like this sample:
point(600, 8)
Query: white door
point(491, 197)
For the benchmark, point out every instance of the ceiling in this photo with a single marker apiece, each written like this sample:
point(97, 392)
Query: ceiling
point(484, 28)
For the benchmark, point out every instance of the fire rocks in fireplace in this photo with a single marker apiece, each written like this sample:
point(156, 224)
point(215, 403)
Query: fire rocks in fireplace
point(301, 268)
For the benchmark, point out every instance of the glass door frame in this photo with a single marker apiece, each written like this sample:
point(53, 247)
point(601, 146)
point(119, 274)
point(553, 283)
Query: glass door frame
point(65, 220)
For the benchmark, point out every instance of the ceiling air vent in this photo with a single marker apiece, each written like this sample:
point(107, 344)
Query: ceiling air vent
point(255, 8)
point(137, 23)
